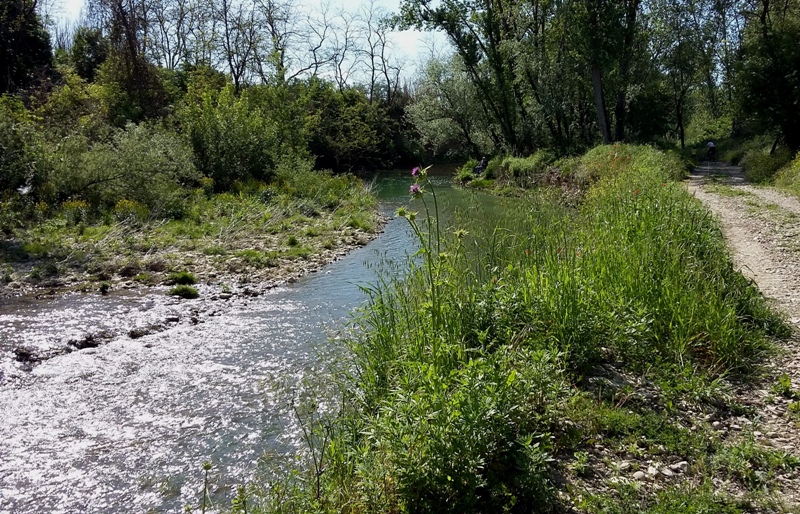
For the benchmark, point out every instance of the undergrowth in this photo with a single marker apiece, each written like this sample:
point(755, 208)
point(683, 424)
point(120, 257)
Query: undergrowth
point(466, 390)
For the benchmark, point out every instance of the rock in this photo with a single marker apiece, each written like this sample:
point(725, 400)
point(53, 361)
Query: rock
point(624, 466)
point(717, 425)
point(25, 354)
point(173, 319)
point(225, 296)
point(652, 471)
point(639, 475)
point(681, 466)
point(136, 333)
point(734, 426)
point(667, 472)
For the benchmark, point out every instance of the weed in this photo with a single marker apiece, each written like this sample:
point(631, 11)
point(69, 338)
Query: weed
point(214, 250)
point(292, 241)
point(784, 387)
point(580, 465)
point(725, 190)
point(104, 287)
point(755, 465)
point(184, 291)
point(144, 278)
point(182, 278)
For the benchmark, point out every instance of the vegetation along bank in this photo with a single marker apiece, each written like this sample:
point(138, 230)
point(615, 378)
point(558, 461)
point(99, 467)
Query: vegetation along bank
point(550, 358)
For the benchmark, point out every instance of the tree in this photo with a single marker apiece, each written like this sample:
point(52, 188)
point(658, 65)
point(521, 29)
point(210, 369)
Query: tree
point(89, 50)
point(769, 74)
point(24, 45)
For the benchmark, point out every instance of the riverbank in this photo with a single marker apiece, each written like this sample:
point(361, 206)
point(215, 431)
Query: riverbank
point(576, 359)
point(230, 246)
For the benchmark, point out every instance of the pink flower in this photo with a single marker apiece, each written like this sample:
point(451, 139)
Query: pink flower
point(415, 190)
point(415, 171)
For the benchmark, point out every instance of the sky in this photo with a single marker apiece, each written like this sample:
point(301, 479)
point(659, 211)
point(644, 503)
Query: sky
point(412, 46)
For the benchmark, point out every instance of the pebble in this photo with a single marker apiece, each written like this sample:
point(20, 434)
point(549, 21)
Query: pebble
point(667, 472)
point(624, 466)
point(639, 475)
point(734, 426)
point(652, 471)
point(717, 425)
point(679, 467)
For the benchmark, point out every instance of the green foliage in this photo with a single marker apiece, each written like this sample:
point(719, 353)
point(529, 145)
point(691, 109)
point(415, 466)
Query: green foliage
point(755, 465)
point(184, 291)
point(788, 177)
point(768, 86)
point(463, 369)
point(24, 45)
point(89, 50)
point(142, 164)
point(760, 166)
point(784, 387)
point(183, 278)
point(232, 137)
point(129, 210)
point(21, 147)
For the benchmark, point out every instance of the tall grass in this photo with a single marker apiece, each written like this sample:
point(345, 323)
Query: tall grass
point(463, 373)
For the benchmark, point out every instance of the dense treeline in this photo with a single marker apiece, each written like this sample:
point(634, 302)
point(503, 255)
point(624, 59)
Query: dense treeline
point(142, 101)
point(521, 76)
point(534, 74)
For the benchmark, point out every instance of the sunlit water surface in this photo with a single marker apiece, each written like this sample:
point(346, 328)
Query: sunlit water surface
point(126, 426)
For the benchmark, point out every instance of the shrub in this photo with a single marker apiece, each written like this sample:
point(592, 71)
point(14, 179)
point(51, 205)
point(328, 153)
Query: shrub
point(527, 171)
point(142, 164)
point(75, 211)
point(788, 177)
point(466, 172)
point(182, 278)
point(494, 167)
point(232, 137)
point(129, 210)
point(21, 148)
point(759, 166)
point(184, 291)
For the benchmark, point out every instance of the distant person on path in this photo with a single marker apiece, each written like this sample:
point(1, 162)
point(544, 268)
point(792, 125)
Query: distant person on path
point(711, 151)
point(481, 166)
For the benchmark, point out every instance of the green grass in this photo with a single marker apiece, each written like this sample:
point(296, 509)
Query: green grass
point(221, 226)
point(184, 291)
point(182, 278)
point(724, 190)
point(465, 391)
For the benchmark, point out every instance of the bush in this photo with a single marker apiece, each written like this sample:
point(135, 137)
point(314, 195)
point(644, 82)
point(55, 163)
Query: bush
point(788, 177)
point(759, 166)
point(129, 210)
point(183, 278)
point(466, 172)
point(21, 148)
point(184, 291)
point(232, 137)
point(142, 164)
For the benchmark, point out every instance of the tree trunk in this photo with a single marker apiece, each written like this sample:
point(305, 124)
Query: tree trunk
point(600, 102)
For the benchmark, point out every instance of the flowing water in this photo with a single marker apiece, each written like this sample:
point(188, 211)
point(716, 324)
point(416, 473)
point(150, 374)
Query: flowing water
point(126, 426)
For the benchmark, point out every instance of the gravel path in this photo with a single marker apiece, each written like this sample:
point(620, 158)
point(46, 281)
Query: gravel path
point(761, 227)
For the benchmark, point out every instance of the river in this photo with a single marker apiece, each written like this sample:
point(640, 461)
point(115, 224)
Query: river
point(126, 426)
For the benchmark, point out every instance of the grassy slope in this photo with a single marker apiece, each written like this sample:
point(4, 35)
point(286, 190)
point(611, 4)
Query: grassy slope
point(538, 361)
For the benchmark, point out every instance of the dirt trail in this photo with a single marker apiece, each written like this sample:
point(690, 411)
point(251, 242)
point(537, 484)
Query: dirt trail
point(761, 227)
